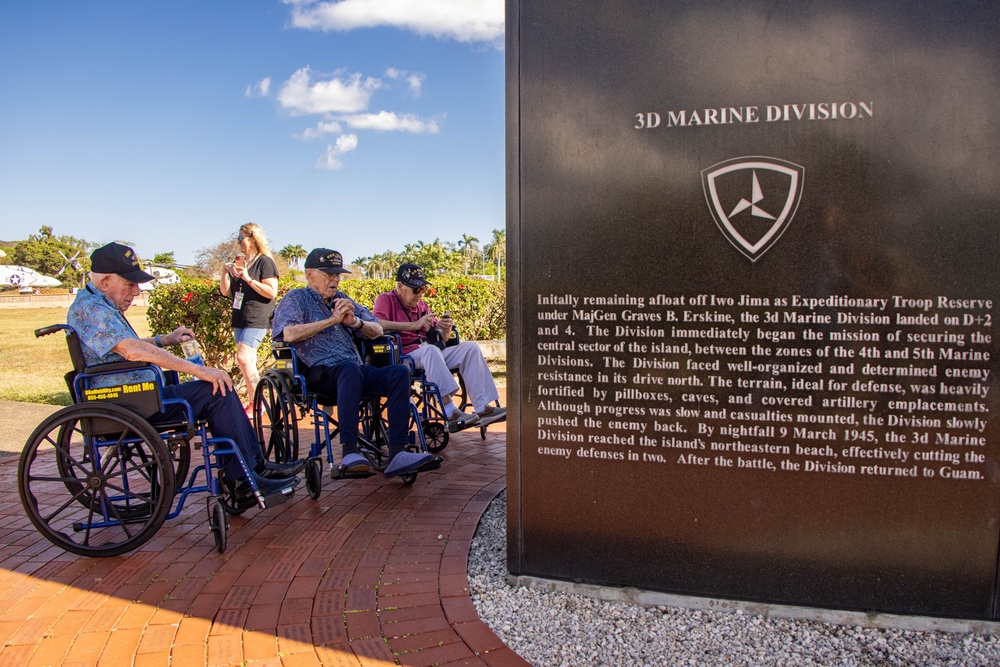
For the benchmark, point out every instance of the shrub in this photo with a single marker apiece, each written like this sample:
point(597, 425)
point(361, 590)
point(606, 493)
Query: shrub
point(197, 303)
point(479, 307)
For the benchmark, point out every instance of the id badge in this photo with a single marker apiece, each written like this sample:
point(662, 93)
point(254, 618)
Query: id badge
point(237, 300)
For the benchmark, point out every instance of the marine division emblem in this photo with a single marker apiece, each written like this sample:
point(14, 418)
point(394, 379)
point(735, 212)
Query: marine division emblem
point(753, 200)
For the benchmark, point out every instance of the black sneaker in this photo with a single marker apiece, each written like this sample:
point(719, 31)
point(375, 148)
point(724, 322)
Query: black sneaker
point(275, 491)
point(281, 470)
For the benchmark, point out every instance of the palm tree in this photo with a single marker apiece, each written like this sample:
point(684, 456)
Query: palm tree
point(293, 254)
point(498, 248)
point(467, 246)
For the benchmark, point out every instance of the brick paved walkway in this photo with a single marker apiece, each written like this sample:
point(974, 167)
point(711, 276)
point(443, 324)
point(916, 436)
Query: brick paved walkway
point(372, 573)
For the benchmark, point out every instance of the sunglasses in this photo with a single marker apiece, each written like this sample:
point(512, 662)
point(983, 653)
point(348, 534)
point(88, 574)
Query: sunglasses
point(240, 238)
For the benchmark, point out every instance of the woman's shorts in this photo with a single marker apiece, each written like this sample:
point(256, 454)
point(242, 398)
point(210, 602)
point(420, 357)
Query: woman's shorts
point(251, 337)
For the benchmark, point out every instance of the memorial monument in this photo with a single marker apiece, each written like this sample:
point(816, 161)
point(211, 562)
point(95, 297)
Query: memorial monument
point(753, 282)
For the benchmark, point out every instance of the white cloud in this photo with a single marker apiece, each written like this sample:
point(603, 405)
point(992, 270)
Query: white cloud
point(345, 144)
point(259, 89)
point(414, 80)
point(461, 20)
point(388, 121)
point(322, 129)
point(339, 94)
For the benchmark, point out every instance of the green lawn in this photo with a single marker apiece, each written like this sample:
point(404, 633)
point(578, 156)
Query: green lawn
point(32, 369)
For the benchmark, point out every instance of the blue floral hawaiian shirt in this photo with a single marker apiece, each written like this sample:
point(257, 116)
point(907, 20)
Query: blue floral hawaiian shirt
point(330, 347)
point(101, 326)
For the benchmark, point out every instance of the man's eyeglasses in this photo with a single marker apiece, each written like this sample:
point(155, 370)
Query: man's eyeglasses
point(419, 290)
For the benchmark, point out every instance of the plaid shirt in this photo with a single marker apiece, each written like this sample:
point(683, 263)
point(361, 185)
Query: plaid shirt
point(330, 347)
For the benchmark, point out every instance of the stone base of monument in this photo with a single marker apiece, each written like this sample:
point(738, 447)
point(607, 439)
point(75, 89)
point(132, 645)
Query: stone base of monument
point(636, 596)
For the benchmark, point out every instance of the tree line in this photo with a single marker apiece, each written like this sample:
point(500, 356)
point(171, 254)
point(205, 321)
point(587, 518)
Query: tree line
point(68, 257)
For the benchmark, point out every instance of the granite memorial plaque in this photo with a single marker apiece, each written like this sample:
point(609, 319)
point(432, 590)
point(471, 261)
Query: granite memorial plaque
point(753, 282)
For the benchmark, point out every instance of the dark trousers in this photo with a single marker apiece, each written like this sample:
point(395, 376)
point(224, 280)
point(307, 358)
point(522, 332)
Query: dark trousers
point(226, 419)
point(347, 384)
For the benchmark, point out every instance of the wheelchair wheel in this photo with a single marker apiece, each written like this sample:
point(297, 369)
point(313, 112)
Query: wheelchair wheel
point(180, 454)
point(435, 435)
point(96, 480)
point(273, 403)
point(314, 477)
point(218, 522)
point(409, 478)
point(227, 499)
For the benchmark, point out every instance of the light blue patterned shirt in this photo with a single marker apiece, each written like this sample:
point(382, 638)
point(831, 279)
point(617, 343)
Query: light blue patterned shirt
point(330, 347)
point(101, 326)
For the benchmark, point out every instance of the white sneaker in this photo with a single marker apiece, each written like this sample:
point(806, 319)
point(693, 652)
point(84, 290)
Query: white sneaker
point(461, 420)
point(492, 414)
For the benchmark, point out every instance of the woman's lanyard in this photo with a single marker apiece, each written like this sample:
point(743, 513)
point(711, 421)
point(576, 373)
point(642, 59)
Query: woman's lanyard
point(238, 292)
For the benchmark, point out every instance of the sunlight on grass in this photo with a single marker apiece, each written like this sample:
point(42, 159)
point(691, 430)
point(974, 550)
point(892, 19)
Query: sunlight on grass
point(33, 368)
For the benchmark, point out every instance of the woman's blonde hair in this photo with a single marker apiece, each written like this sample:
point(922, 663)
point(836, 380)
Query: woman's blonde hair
point(254, 231)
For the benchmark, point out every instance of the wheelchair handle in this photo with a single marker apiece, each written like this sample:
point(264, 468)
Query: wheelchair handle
point(51, 329)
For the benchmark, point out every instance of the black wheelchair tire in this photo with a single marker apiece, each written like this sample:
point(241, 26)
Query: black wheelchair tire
point(273, 398)
point(218, 522)
point(314, 477)
point(134, 481)
point(227, 500)
point(408, 478)
point(435, 435)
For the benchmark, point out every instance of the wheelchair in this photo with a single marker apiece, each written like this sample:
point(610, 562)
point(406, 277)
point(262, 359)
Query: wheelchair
point(281, 399)
point(427, 397)
point(97, 478)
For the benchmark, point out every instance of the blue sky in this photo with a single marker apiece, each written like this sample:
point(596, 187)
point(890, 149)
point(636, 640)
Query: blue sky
point(360, 125)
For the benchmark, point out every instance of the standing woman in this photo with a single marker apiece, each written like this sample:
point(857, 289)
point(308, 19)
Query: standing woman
point(252, 282)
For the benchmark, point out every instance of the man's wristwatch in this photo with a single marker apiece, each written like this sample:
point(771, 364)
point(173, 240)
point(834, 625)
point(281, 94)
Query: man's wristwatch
point(358, 323)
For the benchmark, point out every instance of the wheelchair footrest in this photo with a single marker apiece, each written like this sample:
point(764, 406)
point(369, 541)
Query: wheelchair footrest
point(433, 464)
point(278, 498)
point(338, 472)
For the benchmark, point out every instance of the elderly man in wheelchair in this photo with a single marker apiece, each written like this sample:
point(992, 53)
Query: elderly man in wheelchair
point(424, 338)
point(320, 323)
point(98, 317)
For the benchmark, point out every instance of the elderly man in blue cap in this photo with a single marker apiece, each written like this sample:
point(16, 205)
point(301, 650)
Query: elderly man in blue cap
point(321, 323)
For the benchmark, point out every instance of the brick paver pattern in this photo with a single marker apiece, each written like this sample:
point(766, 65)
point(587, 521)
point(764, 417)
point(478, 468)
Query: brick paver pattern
point(371, 573)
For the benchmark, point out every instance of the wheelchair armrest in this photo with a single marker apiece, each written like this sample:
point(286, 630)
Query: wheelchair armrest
point(454, 339)
point(116, 366)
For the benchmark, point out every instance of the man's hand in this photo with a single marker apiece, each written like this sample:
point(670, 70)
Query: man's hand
point(343, 311)
point(219, 379)
point(445, 325)
point(424, 323)
point(177, 336)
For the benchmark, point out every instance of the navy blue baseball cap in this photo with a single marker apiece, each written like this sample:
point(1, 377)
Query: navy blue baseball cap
point(326, 260)
point(120, 260)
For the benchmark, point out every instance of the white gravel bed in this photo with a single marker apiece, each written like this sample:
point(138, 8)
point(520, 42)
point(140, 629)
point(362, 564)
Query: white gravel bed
point(551, 628)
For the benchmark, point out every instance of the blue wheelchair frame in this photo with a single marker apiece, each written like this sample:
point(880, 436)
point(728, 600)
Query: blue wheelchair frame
point(282, 390)
point(117, 441)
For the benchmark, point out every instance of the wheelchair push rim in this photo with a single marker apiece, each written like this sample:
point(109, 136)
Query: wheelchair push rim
point(96, 480)
point(273, 402)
